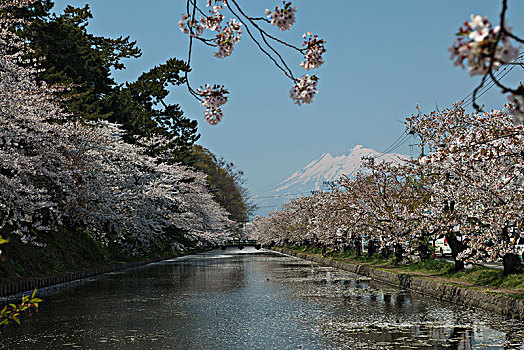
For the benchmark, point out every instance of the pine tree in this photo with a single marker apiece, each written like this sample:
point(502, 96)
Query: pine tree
point(139, 106)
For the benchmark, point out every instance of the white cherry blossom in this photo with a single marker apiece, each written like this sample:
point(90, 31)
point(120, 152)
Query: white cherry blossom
point(304, 89)
point(212, 98)
point(475, 43)
point(227, 38)
point(314, 51)
point(282, 17)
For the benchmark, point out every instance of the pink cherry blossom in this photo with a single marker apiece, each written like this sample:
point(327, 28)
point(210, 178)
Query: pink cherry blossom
point(212, 98)
point(474, 45)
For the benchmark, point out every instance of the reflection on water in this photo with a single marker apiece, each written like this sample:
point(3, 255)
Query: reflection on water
point(252, 300)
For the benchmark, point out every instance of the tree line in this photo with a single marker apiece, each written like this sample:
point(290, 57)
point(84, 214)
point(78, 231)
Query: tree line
point(81, 151)
point(468, 188)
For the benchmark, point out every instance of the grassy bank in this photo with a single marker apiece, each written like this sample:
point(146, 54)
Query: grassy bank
point(65, 250)
point(476, 276)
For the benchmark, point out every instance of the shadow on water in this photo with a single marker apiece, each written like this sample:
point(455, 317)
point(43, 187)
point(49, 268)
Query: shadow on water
point(250, 299)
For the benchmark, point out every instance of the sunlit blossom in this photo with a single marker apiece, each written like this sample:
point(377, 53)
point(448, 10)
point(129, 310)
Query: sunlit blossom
point(304, 89)
point(282, 17)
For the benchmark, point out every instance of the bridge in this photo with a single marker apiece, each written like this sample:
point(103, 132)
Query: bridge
point(241, 243)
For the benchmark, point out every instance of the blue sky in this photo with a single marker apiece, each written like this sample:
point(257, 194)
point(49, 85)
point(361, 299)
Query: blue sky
point(383, 58)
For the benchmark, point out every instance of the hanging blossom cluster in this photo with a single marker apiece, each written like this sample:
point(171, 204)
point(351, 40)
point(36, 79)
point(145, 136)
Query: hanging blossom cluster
point(212, 22)
point(190, 25)
point(228, 37)
point(212, 98)
point(475, 44)
point(304, 89)
point(282, 17)
point(314, 51)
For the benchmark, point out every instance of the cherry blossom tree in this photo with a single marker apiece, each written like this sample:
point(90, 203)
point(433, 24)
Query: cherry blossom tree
point(469, 188)
point(31, 182)
point(138, 199)
point(390, 200)
point(475, 172)
point(55, 172)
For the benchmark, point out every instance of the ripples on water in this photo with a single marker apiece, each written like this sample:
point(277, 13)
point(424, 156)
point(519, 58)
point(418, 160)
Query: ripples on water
point(251, 300)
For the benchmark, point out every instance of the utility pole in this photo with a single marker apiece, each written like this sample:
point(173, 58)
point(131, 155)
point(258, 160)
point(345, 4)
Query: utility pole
point(421, 144)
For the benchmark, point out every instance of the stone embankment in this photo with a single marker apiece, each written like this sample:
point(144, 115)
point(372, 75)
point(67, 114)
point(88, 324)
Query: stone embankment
point(28, 285)
point(474, 296)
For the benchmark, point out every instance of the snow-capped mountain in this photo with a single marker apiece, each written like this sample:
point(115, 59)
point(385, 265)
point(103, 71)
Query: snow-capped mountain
point(316, 175)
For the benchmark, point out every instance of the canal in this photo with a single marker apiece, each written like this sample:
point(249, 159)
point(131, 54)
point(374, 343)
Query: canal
point(249, 299)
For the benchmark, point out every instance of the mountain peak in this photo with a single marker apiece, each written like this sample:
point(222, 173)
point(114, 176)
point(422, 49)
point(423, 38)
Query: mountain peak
point(317, 172)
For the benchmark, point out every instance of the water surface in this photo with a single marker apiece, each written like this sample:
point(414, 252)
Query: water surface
point(250, 299)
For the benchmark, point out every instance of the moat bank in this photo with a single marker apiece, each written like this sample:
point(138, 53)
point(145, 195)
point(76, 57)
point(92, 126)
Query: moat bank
point(473, 296)
point(70, 255)
point(26, 285)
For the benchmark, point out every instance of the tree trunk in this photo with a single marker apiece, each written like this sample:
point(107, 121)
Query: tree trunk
point(512, 264)
point(358, 246)
point(385, 252)
point(399, 252)
point(424, 252)
point(371, 248)
point(456, 247)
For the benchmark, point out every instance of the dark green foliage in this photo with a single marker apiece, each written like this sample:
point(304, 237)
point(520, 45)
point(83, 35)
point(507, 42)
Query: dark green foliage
point(225, 182)
point(135, 106)
point(75, 58)
point(83, 62)
point(64, 250)
point(68, 249)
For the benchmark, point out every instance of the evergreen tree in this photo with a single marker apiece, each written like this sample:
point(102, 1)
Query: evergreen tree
point(75, 58)
point(225, 182)
point(136, 107)
point(83, 63)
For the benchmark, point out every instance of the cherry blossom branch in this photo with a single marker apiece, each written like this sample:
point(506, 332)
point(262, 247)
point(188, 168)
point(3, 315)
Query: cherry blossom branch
point(287, 72)
point(190, 49)
point(486, 49)
point(229, 33)
point(264, 33)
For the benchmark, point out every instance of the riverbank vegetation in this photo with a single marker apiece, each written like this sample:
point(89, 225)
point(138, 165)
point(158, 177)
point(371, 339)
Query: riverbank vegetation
point(475, 276)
